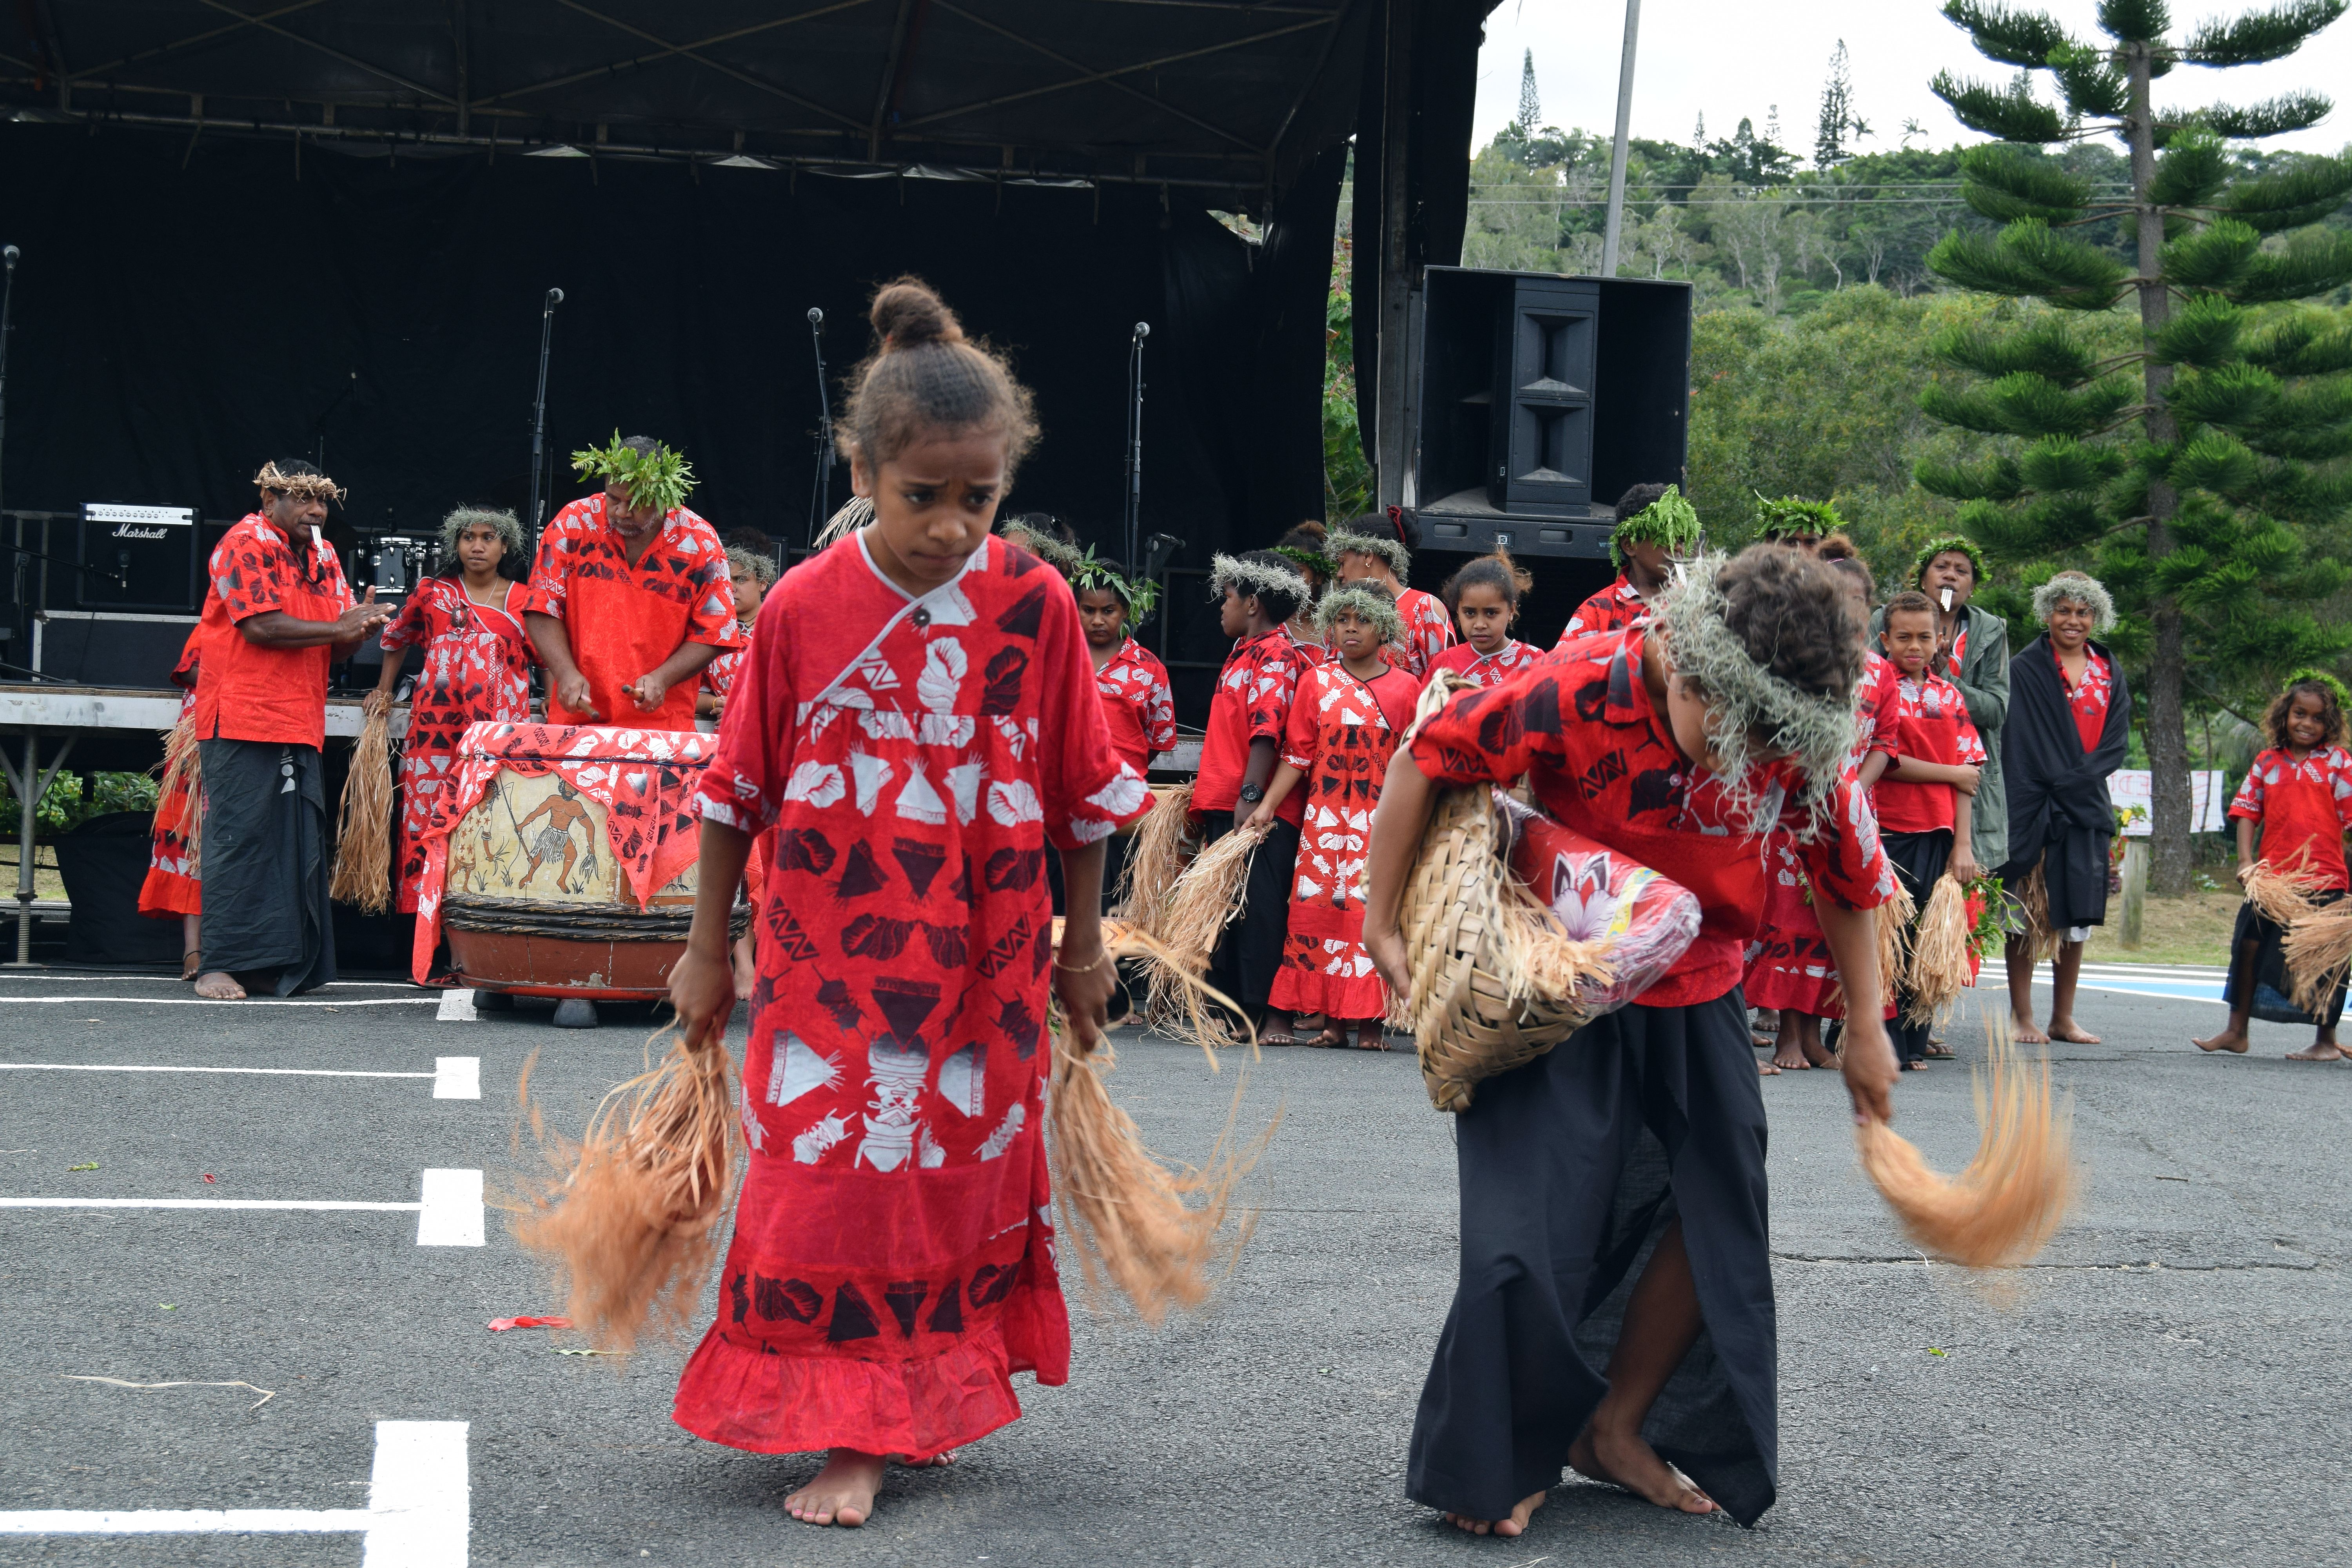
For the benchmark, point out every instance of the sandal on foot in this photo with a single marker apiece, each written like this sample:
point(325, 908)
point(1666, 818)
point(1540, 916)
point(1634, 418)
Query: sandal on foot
point(1938, 1051)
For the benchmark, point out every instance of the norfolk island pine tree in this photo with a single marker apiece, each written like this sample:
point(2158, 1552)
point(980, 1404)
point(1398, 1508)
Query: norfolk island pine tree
point(2201, 473)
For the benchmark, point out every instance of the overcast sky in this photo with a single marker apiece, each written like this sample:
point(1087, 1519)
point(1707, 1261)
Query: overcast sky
point(1732, 57)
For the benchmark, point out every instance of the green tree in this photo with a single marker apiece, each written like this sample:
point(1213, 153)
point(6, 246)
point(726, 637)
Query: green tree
point(1346, 473)
point(2199, 470)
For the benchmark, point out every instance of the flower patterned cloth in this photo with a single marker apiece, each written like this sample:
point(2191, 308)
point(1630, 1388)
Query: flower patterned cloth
point(478, 663)
point(2303, 804)
point(171, 888)
point(1612, 609)
point(623, 620)
point(1482, 669)
point(1602, 761)
point(2088, 697)
point(1428, 632)
point(1252, 702)
point(1138, 705)
point(892, 1262)
point(1931, 725)
point(1341, 733)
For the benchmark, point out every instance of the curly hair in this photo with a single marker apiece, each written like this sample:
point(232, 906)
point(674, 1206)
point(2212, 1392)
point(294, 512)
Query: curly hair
point(1499, 571)
point(497, 520)
point(2319, 684)
point(1369, 602)
point(749, 565)
point(1772, 640)
point(2075, 588)
point(925, 376)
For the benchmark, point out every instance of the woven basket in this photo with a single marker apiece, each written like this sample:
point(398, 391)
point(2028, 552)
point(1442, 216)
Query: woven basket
point(1474, 1007)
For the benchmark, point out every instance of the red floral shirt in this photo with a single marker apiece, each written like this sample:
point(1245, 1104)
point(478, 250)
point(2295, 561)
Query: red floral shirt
point(1137, 704)
point(245, 692)
point(2089, 697)
point(1428, 631)
point(1602, 761)
point(2303, 806)
point(1612, 609)
point(623, 620)
point(1252, 702)
point(1485, 669)
point(1931, 724)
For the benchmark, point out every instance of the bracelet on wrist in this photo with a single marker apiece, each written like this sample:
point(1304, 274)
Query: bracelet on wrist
point(1100, 959)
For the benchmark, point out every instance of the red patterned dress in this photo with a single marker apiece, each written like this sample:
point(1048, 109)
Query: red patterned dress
point(1428, 632)
point(2088, 698)
point(1138, 705)
point(1251, 702)
point(893, 1262)
point(1340, 735)
point(477, 664)
point(624, 621)
point(719, 675)
point(1484, 670)
point(171, 888)
point(1788, 963)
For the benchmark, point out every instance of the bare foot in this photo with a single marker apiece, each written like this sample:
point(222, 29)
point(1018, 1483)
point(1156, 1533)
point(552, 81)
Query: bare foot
point(216, 987)
point(1915, 1065)
point(939, 1461)
point(2317, 1054)
point(842, 1493)
point(2025, 1032)
point(1788, 1058)
point(1328, 1037)
point(1821, 1057)
point(2228, 1040)
point(2070, 1033)
point(1766, 1069)
point(747, 969)
point(1627, 1462)
point(1515, 1525)
point(1368, 1037)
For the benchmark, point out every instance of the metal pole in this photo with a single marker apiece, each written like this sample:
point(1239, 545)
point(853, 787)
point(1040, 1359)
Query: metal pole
point(538, 416)
point(7, 328)
point(1133, 542)
point(821, 492)
point(1617, 151)
point(27, 803)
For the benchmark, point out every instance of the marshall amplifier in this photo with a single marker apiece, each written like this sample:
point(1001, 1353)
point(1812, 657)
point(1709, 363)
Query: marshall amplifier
point(138, 558)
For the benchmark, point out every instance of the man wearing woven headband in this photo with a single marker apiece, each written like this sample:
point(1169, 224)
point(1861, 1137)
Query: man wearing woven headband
point(1378, 548)
point(276, 614)
point(634, 598)
point(1677, 745)
point(1654, 526)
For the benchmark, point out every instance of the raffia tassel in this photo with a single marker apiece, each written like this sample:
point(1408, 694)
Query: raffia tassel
point(1156, 857)
point(1939, 953)
point(1891, 923)
point(363, 832)
point(630, 1215)
point(2281, 893)
point(2014, 1195)
point(2318, 952)
point(2033, 905)
point(1205, 899)
point(184, 768)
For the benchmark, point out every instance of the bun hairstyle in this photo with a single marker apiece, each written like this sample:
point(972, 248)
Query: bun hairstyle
point(925, 376)
point(1497, 571)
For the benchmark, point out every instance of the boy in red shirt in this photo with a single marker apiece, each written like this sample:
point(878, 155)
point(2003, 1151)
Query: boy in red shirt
point(2299, 795)
point(1260, 592)
point(1924, 781)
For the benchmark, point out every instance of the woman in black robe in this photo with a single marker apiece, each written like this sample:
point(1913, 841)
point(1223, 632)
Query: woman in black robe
point(2069, 727)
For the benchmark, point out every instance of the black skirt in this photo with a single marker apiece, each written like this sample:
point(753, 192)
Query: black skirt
point(1570, 1169)
point(1918, 859)
point(1250, 950)
point(267, 865)
point(2272, 984)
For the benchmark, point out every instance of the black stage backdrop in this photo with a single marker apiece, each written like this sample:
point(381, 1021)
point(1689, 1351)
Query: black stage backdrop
point(187, 310)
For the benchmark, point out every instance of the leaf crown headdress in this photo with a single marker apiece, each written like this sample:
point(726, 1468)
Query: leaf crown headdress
point(1140, 595)
point(1670, 522)
point(1322, 565)
point(1367, 602)
point(2321, 678)
point(1339, 545)
point(1949, 545)
point(1061, 557)
point(1792, 514)
point(660, 480)
point(303, 487)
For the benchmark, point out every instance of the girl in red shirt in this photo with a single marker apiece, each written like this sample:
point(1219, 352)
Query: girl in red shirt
point(1680, 744)
point(1344, 724)
point(1484, 597)
point(916, 721)
point(2298, 794)
point(1378, 547)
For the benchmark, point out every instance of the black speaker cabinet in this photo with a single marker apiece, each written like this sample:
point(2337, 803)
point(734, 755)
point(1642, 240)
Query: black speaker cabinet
point(138, 558)
point(1539, 399)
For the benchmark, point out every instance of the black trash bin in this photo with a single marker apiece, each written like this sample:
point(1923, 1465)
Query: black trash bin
point(104, 862)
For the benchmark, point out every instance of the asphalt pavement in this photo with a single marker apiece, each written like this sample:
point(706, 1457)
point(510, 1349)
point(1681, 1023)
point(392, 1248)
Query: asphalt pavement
point(2169, 1384)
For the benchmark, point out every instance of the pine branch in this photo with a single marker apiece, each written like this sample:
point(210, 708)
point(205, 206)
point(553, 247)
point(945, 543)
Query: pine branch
point(2204, 331)
point(2303, 193)
point(2034, 187)
point(2195, 166)
point(2230, 395)
point(2260, 35)
point(2089, 82)
point(2135, 21)
point(2210, 259)
point(2013, 38)
point(1996, 480)
point(2215, 462)
point(2029, 258)
point(2012, 114)
point(2027, 405)
point(2307, 342)
point(2273, 117)
point(2062, 463)
point(2312, 263)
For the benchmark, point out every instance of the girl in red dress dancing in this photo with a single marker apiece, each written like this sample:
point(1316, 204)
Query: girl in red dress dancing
point(917, 720)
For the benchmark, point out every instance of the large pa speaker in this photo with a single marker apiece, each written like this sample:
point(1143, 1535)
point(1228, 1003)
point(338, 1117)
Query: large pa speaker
point(138, 558)
point(1538, 400)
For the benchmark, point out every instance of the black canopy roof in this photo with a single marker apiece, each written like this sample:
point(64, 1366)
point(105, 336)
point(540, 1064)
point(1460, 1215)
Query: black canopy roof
point(1228, 97)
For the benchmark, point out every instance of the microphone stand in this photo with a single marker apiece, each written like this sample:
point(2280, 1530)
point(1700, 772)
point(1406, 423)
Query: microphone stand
point(538, 416)
point(821, 491)
point(1134, 443)
point(7, 328)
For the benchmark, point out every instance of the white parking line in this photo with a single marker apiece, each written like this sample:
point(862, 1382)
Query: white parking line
point(419, 1512)
point(457, 1077)
point(457, 1007)
point(449, 1214)
point(453, 1078)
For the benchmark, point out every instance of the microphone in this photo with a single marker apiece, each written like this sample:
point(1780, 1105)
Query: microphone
point(816, 316)
point(1142, 329)
point(554, 298)
point(9, 255)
